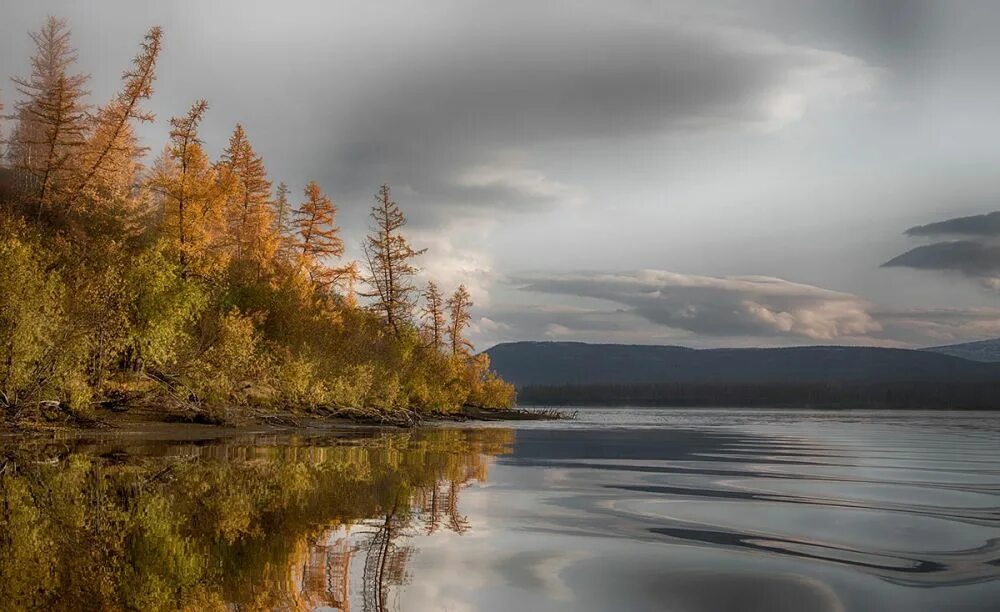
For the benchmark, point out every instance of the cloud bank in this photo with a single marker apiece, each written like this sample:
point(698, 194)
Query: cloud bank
point(757, 306)
point(976, 254)
point(528, 79)
point(974, 225)
point(660, 307)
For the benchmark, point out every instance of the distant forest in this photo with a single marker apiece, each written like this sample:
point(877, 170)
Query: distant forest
point(195, 286)
point(909, 395)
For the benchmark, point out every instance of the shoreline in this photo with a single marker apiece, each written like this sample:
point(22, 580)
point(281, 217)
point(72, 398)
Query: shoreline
point(172, 427)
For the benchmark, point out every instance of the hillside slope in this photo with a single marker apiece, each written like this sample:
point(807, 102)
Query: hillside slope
point(984, 350)
point(572, 363)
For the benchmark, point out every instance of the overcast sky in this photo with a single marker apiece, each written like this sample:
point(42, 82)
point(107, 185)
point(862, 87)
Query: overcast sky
point(765, 172)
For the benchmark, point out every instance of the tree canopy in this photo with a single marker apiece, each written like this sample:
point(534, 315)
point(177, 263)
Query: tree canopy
point(190, 284)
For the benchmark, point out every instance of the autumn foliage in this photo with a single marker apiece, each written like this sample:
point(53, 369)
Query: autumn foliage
point(191, 285)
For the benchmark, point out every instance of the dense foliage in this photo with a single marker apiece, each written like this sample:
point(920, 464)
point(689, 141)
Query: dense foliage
point(192, 284)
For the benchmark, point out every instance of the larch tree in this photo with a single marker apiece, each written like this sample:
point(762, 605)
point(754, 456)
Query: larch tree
point(179, 280)
point(52, 126)
point(8, 183)
point(350, 277)
point(389, 257)
point(282, 218)
point(3, 141)
point(113, 148)
point(435, 324)
point(249, 215)
point(186, 181)
point(110, 189)
point(460, 316)
point(317, 236)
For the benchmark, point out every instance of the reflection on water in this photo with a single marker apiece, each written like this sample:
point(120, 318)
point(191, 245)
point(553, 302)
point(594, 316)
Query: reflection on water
point(690, 511)
point(260, 524)
point(755, 510)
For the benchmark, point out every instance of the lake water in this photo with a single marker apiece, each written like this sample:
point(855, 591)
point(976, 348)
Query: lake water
point(686, 510)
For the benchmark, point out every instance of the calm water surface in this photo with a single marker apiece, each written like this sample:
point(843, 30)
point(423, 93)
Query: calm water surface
point(619, 510)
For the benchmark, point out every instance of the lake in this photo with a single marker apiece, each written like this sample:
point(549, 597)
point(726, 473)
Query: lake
point(686, 510)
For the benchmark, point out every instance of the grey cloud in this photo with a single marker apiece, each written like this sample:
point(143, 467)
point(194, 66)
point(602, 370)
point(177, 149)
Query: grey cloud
point(659, 307)
point(974, 225)
point(568, 78)
point(728, 306)
point(975, 255)
point(585, 81)
point(546, 321)
point(576, 323)
point(478, 111)
point(940, 325)
point(967, 256)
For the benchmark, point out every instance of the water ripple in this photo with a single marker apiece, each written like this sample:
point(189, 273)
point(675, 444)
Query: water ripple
point(910, 503)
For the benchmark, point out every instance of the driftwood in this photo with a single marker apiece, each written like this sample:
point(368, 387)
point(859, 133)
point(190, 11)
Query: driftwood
point(482, 413)
point(372, 416)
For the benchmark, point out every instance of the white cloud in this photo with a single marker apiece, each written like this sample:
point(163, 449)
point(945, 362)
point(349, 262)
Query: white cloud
point(455, 256)
point(510, 185)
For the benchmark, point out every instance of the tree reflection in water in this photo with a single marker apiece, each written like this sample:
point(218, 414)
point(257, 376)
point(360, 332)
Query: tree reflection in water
point(273, 524)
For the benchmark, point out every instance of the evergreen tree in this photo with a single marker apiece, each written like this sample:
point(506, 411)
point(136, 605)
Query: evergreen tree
point(459, 309)
point(389, 257)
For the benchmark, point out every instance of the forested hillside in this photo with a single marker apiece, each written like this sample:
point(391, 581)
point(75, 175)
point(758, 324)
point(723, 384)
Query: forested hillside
point(194, 285)
point(574, 363)
point(572, 373)
point(983, 350)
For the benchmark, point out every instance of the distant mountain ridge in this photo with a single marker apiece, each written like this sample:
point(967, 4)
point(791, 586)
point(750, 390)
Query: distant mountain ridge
point(573, 363)
point(983, 350)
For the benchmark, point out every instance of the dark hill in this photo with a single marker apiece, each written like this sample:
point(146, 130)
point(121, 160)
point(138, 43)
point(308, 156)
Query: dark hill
point(572, 363)
point(984, 350)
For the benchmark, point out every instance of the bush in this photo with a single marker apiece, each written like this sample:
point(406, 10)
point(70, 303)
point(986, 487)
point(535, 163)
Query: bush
point(36, 357)
point(235, 363)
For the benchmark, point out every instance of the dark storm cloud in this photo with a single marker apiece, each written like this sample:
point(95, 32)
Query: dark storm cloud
point(975, 225)
point(976, 255)
point(350, 96)
point(899, 33)
point(967, 256)
point(524, 80)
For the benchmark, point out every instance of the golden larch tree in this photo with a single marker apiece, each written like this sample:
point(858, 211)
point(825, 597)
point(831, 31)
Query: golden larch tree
point(112, 149)
point(249, 216)
point(460, 317)
point(434, 321)
point(389, 257)
point(51, 119)
point(282, 218)
point(191, 199)
point(317, 235)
